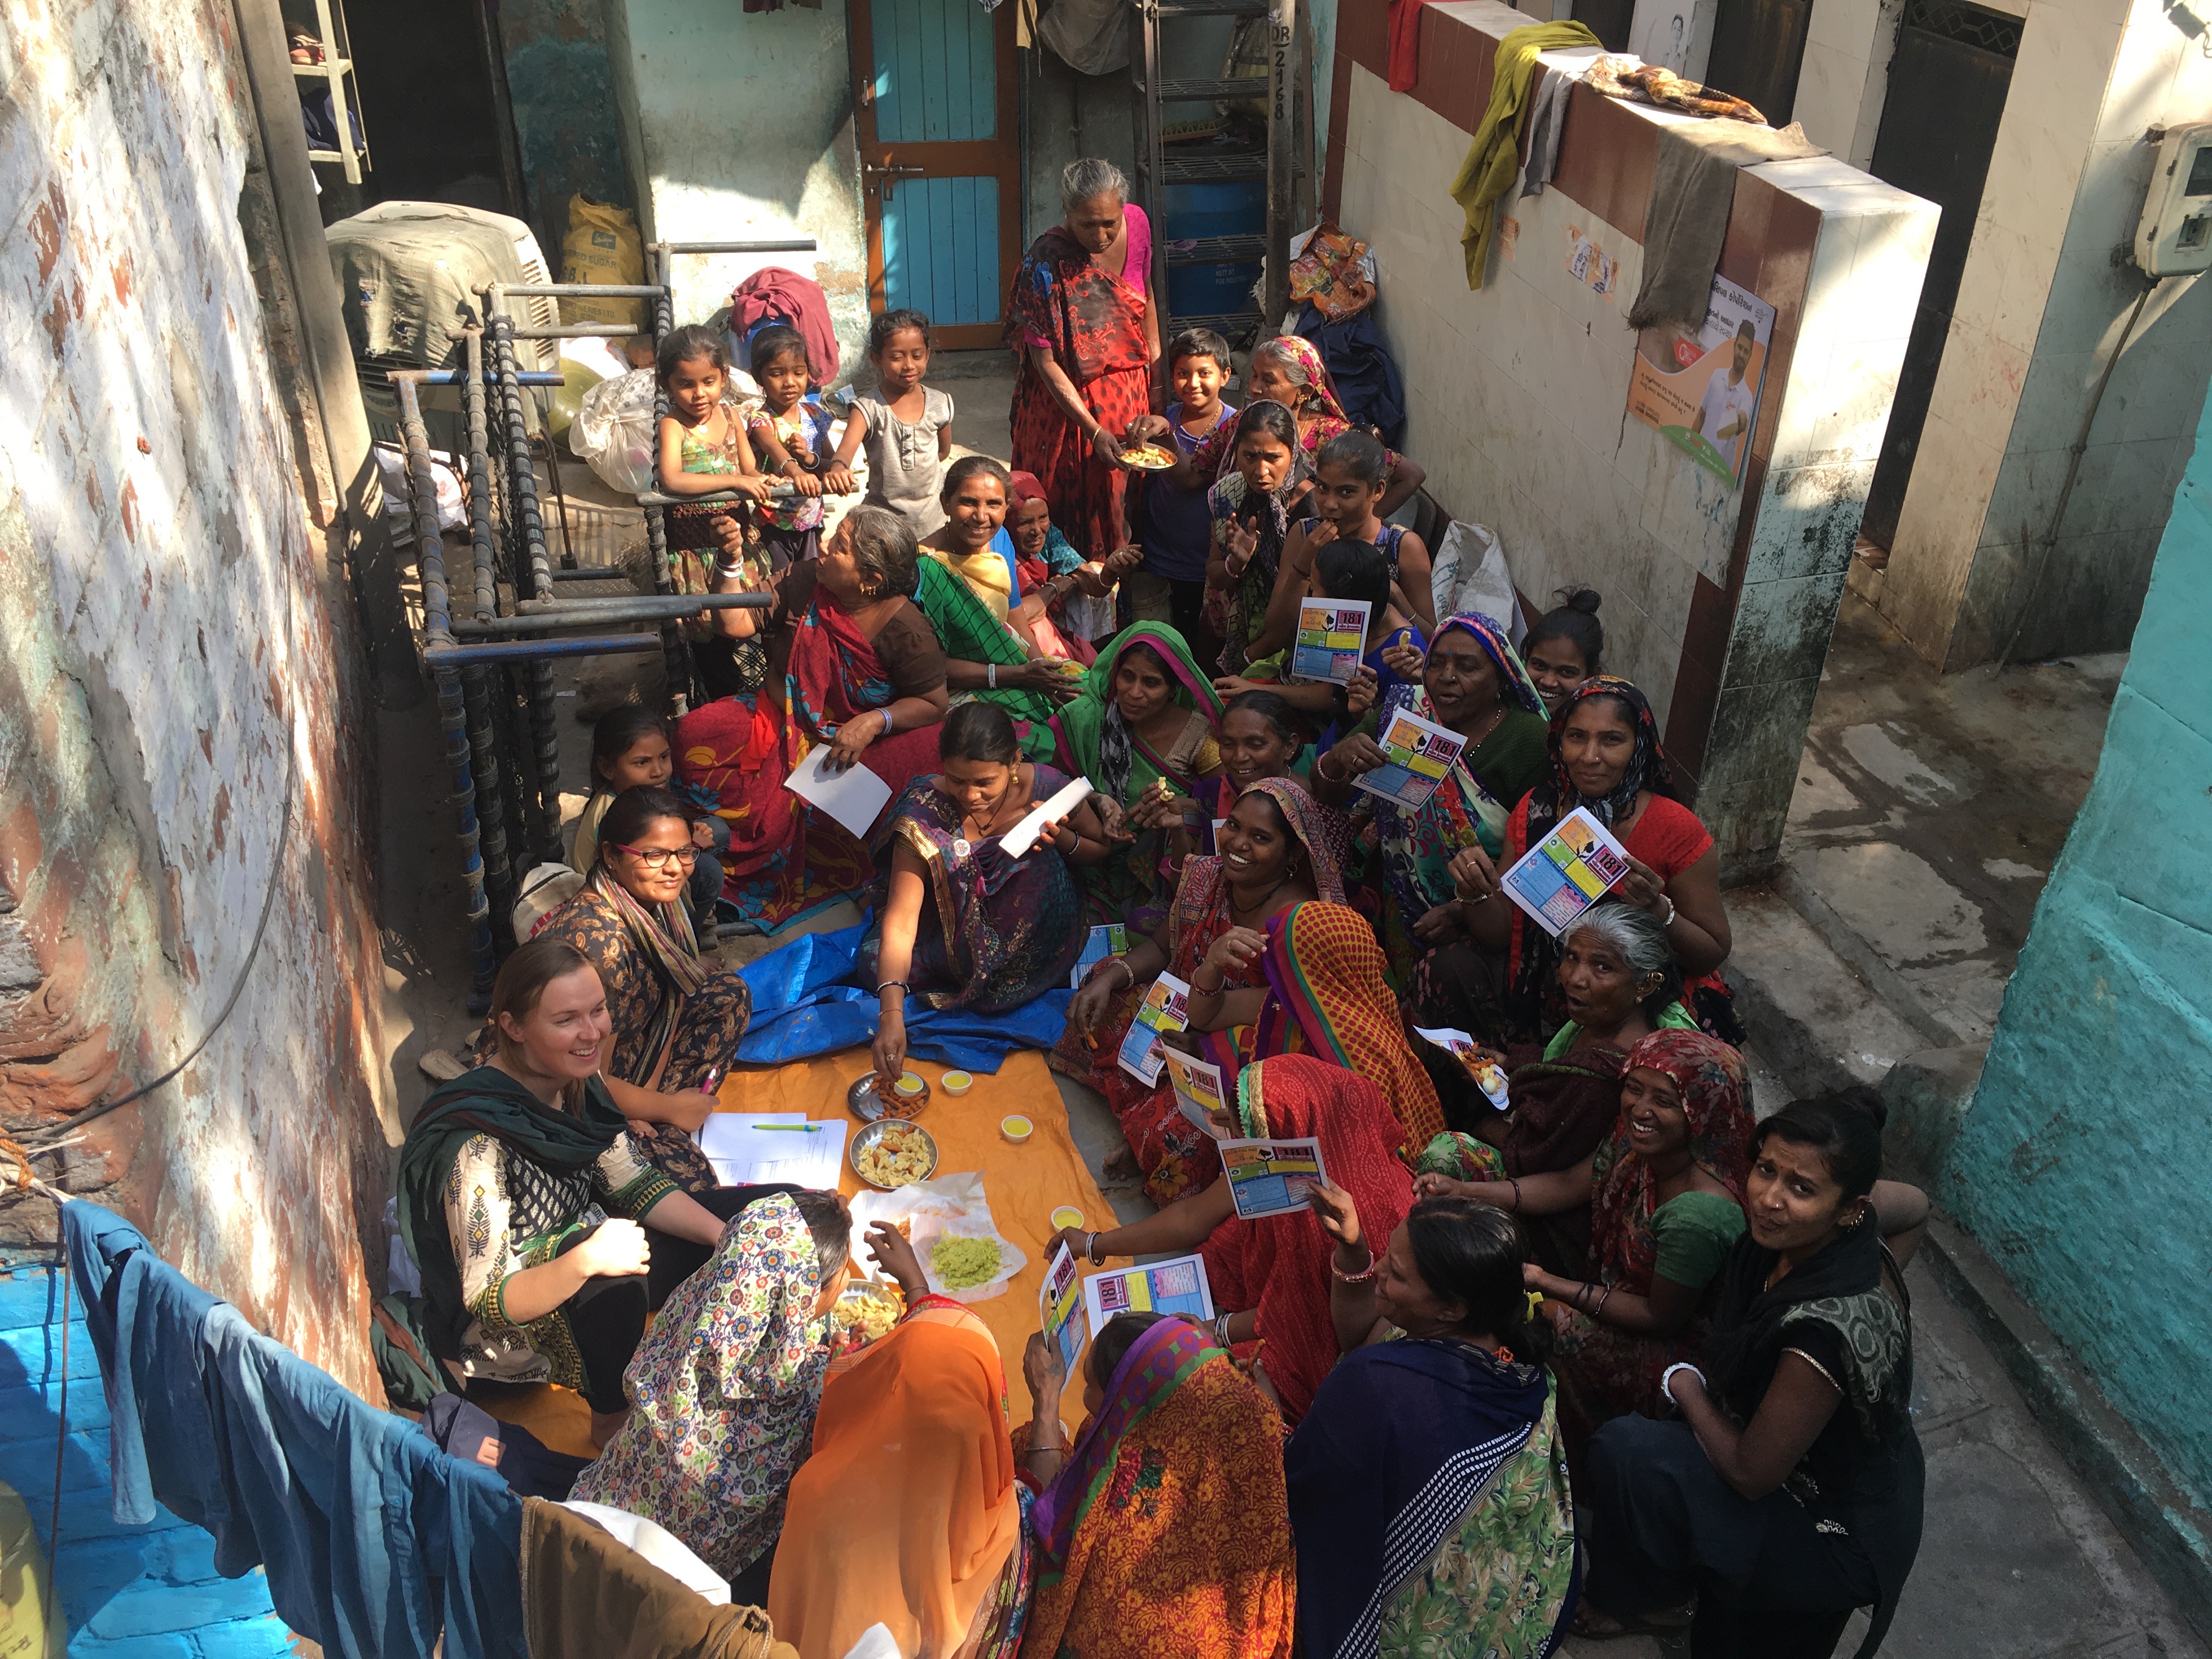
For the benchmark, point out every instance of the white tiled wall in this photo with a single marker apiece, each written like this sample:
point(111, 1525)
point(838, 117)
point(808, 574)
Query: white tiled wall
point(1518, 391)
point(1844, 74)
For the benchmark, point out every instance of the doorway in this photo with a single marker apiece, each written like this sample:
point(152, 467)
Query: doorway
point(1759, 48)
point(1947, 85)
point(940, 161)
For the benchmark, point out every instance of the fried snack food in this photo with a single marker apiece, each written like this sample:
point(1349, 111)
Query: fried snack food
point(1147, 458)
point(901, 1157)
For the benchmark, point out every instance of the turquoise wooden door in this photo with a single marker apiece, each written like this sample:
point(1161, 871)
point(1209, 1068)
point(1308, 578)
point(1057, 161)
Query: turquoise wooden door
point(939, 161)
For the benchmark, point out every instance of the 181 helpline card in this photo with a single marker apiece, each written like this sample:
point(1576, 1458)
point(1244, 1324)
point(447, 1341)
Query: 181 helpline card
point(1332, 634)
point(1198, 1090)
point(1059, 1299)
point(1271, 1177)
point(1176, 1287)
point(1166, 1007)
point(1419, 754)
point(1566, 872)
point(1108, 940)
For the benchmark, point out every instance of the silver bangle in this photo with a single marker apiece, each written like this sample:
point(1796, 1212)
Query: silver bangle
point(991, 675)
point(1666, 1377)
point(1221, 1332)
point(1669, 898)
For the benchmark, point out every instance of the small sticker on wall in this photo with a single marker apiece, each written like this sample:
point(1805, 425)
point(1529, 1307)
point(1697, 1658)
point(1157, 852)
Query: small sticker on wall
point(1509, 233)
point(1590, 265)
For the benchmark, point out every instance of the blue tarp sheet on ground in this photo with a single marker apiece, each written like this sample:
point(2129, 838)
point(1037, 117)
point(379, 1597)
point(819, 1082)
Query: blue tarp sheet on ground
point(806, 1003)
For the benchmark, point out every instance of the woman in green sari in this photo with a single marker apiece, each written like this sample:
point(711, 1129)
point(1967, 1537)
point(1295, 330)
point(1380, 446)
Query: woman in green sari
point(986, 661)
point(1142, 731)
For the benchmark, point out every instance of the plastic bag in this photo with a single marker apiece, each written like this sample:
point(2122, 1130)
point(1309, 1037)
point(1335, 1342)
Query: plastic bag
point(1090, 36)
point(950, 1205)
point(1469, 573)
point(1335, 271)
point(613, 431)
point(398, 498)
point(602, 246)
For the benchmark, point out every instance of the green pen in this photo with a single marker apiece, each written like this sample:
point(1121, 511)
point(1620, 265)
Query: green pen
point(794, 1128)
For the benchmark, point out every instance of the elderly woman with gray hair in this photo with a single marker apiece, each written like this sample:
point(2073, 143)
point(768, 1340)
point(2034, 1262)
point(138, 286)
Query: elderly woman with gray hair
point(852, 664)
point(1621, 983)
point(1085, 322)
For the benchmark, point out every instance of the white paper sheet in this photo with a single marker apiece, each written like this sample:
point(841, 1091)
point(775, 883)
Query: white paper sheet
point(744, 1155)
point(1023, 836)
point(855, 797)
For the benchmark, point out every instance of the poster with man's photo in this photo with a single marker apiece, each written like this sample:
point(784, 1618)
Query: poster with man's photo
point(1701, 389)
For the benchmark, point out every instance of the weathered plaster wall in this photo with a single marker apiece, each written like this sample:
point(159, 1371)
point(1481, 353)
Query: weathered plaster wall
point(1719, 602)
point(2078, 1164)
point(562, 89)
point(2040, 311)
point(739, 126)
point(176, 656)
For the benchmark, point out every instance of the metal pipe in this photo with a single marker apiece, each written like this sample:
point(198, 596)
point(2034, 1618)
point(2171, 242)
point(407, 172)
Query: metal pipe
point(792, 245)
point(592, 573)
point(452, 725)
point(422, 497)
point(459, 655)
point(779, 492)
point(641, 607)
point(571, 331)
point(575, 290)
point(480, 529)
point(491, 803)
point(457, 376)
point(522, 493)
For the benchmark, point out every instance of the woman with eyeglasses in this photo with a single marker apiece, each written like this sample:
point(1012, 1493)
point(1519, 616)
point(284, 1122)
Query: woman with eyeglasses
point(676, 1017)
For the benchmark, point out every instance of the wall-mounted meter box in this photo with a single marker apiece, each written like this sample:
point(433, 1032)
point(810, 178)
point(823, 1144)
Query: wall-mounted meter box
point(2175, 236)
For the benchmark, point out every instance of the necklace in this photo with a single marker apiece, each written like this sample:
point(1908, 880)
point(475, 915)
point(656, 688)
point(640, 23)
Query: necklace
point(1254, 910)
point(1476, 739)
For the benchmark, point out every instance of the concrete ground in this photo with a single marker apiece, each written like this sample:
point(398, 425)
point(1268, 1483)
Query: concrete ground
point(1927, 814)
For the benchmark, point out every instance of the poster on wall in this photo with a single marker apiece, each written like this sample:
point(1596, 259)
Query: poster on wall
point(1701, 389)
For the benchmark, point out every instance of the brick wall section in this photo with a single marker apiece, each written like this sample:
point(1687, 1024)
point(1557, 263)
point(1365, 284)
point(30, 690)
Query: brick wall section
point(177, 652)
point(146, 1592)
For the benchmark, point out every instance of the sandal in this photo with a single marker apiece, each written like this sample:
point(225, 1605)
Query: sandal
point(1594, 1624)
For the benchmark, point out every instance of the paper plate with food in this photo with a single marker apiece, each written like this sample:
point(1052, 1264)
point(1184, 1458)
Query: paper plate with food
point(948, 1222)
point(1147, 458)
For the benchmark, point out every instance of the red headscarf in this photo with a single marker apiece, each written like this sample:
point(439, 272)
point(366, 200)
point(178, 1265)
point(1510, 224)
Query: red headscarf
point(1710, 1077)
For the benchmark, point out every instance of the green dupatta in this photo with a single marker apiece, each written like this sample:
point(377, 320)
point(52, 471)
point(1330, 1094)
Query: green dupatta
point(1132, 877)
point(484, 1102)
point(969, 632)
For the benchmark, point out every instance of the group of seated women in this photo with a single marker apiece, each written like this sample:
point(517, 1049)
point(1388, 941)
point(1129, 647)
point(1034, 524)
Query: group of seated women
point(1610, 1354)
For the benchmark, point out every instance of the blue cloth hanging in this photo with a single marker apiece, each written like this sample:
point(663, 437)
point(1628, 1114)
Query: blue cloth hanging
point(1368, 383)
point(376, 1543)
point(805, 1002)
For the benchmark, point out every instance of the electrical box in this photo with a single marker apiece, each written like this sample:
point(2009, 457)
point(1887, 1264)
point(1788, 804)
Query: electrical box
point(2175, 236)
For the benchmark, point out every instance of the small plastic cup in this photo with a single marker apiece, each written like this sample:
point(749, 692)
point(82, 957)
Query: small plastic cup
point(909, 1084)
point(956, 1083)
point(1017, 1129)
point(1065, 1217)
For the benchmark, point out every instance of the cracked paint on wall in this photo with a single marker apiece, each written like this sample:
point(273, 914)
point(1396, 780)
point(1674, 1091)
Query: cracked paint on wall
point(177, 657)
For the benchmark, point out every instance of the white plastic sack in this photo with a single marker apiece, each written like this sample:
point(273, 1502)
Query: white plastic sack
point(949, 1204)
point(544, 889)
point(400, 501)
point(1469, 573)
point(659, 1546)
point(614, 432)
point(597, 356)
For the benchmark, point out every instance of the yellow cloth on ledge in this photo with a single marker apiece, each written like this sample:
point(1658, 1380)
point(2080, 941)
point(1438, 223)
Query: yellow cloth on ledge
point(1493, 160)
point(1024, 1184)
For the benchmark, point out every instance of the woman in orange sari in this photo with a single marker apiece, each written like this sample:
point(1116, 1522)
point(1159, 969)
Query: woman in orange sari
point(908, 1515)
point(1166, 1529)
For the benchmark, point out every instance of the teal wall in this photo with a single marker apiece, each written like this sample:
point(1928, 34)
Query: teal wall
point(562, 89)
point(2082, 1165)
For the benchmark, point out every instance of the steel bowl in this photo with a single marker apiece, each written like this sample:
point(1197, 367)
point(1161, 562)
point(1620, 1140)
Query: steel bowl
point(866, 1138)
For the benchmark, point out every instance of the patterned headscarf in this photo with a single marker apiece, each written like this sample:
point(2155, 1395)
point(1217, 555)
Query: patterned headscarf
point(1303, 363)
point(1513, 681)
point(725, 1386)
point(1321, 830)
point(1648, 767)
point(1325, 979)
point(1711, 1079)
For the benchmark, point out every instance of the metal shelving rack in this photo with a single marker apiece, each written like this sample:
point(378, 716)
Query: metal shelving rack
point(336, 68)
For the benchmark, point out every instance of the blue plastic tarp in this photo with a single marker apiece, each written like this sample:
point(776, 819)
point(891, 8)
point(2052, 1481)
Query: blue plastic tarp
point(806, 1003)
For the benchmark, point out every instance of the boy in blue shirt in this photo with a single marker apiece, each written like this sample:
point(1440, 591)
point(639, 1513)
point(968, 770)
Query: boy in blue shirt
point(1173, 525)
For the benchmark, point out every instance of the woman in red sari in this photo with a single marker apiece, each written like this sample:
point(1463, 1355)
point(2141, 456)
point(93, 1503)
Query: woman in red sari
point(1270, 1277)
point(852, 664)
point(1084, 321)
point(1278, 848)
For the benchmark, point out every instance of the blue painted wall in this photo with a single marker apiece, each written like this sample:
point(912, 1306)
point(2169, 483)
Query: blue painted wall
point(146, 1592)
point(2081, 1165)
point(562, 87)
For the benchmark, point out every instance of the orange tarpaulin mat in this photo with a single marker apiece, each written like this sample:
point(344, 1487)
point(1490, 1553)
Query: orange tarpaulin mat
point(1023, 1184)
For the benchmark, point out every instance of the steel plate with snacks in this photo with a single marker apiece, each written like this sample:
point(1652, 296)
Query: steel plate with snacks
point(1147, 458)
point(893, 1153)
point(866, 1311)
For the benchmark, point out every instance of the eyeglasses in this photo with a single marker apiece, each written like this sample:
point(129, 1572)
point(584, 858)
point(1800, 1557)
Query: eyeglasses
point(660, 858)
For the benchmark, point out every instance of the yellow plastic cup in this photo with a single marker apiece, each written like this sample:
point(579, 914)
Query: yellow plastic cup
point(1016, 1129)
point(956, 1083)
point(1066, 1216)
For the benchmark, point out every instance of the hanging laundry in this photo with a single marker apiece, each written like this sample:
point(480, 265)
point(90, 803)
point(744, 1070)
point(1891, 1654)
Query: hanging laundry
point(773, 295)
point(1494, 158)
point(1405, 44)
point(377, 1544)
point(1693, 192)
point(587, 1595)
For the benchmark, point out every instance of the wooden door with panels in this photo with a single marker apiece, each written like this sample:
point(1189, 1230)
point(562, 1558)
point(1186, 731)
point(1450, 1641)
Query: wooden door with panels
point(940, 161)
